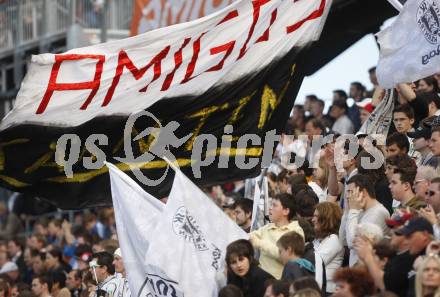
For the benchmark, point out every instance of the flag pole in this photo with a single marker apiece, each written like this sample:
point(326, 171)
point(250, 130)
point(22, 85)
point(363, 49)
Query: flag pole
point(263, 196)
point(396, 4)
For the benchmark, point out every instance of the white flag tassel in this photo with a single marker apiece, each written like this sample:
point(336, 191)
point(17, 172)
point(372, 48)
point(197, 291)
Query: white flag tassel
point(410, 47)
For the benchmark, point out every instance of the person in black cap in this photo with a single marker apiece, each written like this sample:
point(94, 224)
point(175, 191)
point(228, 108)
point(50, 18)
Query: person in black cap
point(419, 233)
point(421, 138)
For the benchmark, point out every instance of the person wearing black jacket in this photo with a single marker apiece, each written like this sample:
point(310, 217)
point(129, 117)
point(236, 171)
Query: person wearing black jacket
point(243, 270)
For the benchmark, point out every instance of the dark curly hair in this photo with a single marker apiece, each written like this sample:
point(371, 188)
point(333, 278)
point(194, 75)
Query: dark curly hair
point(360, 281)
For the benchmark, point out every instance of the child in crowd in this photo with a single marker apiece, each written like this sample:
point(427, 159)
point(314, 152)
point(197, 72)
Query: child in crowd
point(291, 247)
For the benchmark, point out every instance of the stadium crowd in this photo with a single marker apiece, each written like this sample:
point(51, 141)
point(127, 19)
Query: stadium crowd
point(329, 231)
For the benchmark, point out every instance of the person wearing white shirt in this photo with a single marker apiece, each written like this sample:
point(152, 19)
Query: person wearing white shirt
point(103, 271)
point(326, 221)
point(343, 124)
point(123, 288)
point(362, 208)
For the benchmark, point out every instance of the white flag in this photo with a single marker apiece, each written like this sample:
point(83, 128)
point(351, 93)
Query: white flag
point(410, 47)
point(190, 240)
point(136, 213)
point(186, 239)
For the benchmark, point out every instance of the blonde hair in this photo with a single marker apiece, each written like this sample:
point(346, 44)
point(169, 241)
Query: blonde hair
point(419, 276)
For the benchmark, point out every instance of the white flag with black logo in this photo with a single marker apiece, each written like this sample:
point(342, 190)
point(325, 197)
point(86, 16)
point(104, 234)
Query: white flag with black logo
point(189, 242)
point(410, 47)
point(172, 250)
point(136, 213)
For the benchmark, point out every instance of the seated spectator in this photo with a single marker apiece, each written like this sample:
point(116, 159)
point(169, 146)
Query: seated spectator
point(277, 288)
point(291, 249)
point(281, 215)
point(353, 282)
point(428, 277)
point(243, 270)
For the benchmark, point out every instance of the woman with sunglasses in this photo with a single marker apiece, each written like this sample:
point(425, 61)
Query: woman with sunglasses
point(243, 270)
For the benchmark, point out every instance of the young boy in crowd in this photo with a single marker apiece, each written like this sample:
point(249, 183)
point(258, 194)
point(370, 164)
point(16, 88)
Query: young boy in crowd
point(291, 248)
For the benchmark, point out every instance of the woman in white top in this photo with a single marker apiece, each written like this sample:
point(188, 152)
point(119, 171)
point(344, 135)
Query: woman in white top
point(326, 221)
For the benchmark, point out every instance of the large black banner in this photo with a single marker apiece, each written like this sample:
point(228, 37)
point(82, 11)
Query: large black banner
point(255, 104)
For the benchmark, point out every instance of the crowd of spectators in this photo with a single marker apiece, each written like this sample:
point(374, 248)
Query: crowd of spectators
point(372, 231)
point(329, 231)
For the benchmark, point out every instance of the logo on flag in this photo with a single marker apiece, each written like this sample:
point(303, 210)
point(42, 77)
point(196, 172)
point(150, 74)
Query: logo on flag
point(186, 226)
point(428, 15)
point(160, 284)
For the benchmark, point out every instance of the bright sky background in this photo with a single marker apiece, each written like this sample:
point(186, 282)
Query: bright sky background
point(351, 65)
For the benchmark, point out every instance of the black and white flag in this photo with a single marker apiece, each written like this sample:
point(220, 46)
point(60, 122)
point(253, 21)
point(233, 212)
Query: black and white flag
point(186, 239)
